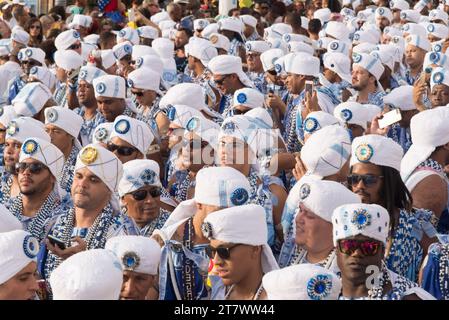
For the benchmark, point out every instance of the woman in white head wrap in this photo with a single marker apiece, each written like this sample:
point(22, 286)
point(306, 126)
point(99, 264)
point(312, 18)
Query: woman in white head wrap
point(239, 250)
point(18, 251)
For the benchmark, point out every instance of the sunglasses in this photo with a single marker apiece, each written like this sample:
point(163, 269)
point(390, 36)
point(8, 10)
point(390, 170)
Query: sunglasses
point(367, 179)
point(123, 151)
point(142, 194)
point(137, 93)
point(35, 168)
point(29, 62)
point(367, 247)
point(74, 46)
point(220, 81)
point(223, 252)
point(238, 111)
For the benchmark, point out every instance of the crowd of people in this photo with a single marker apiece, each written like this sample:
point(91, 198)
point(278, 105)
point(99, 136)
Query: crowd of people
point(214, 150)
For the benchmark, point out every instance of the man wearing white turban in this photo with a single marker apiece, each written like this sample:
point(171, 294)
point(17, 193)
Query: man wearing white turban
point(95, 216)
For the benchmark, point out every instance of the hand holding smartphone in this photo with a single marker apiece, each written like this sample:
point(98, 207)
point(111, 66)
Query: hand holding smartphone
point(390, 118)
point(309, 87)
point(56, 242)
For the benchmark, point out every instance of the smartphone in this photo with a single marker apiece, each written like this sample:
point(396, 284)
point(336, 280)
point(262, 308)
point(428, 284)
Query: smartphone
point(131, 15)
point(309, 86)
point(56, 242)
point(389, 118)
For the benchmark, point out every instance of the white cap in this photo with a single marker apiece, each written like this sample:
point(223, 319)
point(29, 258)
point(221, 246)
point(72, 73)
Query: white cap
point(160, 16)
point(201, 49)
point(8, 222)
point(219, 41)
point(337, 30)
point(45, 152)
point(429, 130)
point(107, 58)
point(18, 248)
point(68, 60)
point(128, 34)
point(150, 62)
point(142, 50)
point(166, 25)
point(209, 30)
point(237, 225)
point(204, 128)
point(317, 120)
point(148, 32)
point(401, 97)
point(145, 79)
point(277, 43)
point(136, 253)
point(200, 24)
point(222, 187)
point(22, 128)
point(370, 63)
point(324, 15)
point(339, 47)
point(44, 75)
point(364, 47)
point(241, 128)
point(81, 20)
point(231, 24)
point(437, 14)
point(7, 113)
point(249, 20)
point(137, 174)
point(94, 274)
point(296, 37)
point(122, 49)
point(101, 162)
point(248, 97)
point(89, 73)
point(393, 31)
point(226, 64)
point(4, 50)
point(338, 63)
point(102, 132)
point(376, 149)
point(322, 197)
point(414, 29)
point(66, 38)
point(31, 99)
point(259, 46)
point(269, 57)
point(137, 133)
point(410, 15)
point(304, 64)
point(296, 46)
point(352, 112)
point(384, 12)
point(277, 30)
point(262, 116)
point(439, 76)
point(110, 86)
point(302, 282)
point(32, 53)
point(438, 30)
point(92, 38)
point(419, 42)
point(180, 114)
point(399, 4)
point(65, 119)
point(369, 220)
point(368, 36)
point(20, 36)
point(387, 57)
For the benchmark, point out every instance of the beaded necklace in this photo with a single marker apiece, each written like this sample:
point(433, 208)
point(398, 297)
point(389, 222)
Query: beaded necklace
point(157, 223)
point(300, 256)
point(40, 219)
point(6, 189)
point(182, 188)
point(290, 135)
point(89, 125)
point(256, 294)
point(67, 170)
point(432, 164)
point(188, 274)
point(444, 271)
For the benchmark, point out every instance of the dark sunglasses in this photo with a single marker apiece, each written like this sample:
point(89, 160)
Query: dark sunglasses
point(123, 151)
point(367, 179)
point(223, 252)
point(74, 46)
point(220, 81)
point(138, 93)
point(367, 247)
point(140, 195)
point(35, 168)
point(29, 62)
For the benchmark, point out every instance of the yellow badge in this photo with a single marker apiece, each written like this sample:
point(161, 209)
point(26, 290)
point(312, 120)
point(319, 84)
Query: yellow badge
point(213, 39)
point(89, 155)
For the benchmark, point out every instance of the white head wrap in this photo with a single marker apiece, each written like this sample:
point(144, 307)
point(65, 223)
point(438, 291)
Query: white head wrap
point(419, 42)
point(137, 174)
point(248, 97)
point(92, 38)
point(20, 36)
point(110, 86)
point(303, 64)
point(410, 15)
point(378, 150)
point(317, 120)
point(401, 97)
point(180, 114)
point(135, 132)
point(8, 222)
point(370, 220)
point(31, 99)
point(399, 5)
point(128, 34)
point(370, 63)
point(68, 59)
point(136, 253)
point(438, 30)
point(18, 248)
point(7, 113)
point(22, 128)
point(201, 49)
point(37, 54)
point(65, 119)
point(302, 282)
point(141, 50)
point(44, 75)
point(414, 29)
point(148, 32)
point(209, 30)
point(101, 162)
point(249, 20)
point(438, 14)
point(219, 41)
point(122, 49)
point(439, 76)
point(339, 46)
point(384, 12)
point(102, 132)
point(66, 38)
point(352, 112)
point(225, 64)
point(259, 46)
point(206, 129)
point(337, 30)
point(200, 24)
point(338, 63)
point(145, 79)
point(103, 281)
point(238, 225)
point(107, 58)
point(269, 57)
point(89, 73)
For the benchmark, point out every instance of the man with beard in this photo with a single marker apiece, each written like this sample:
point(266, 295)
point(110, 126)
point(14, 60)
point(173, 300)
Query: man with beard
point(28, 58)
point(360, 233)
point(110, 93)
point(86, 98)
point(17, 132)
point(39, 173)
point(366, 72)
point(95, 215)
point(415, 51)
point(383, 16)
point(182, 37)
point(139, 257)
